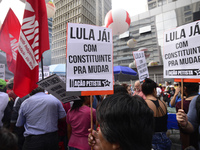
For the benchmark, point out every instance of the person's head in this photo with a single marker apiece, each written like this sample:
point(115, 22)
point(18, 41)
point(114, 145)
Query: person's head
point(137, 86)
point(128, 88)
point(8, 141)
point(149, 87)
point(2, 85)
point(10, 84)
point(119, 89)
point(190, 88)
point(84, 100)
point(171, 87)
point(36, 90)
point(126, 122)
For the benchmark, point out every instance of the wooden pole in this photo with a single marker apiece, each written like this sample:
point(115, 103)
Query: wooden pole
point(91, 114)
point(181, 93)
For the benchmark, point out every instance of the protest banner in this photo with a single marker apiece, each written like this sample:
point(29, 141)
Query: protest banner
point(55, 86)
point(46, 72)
point(89, 60)
point(141, 64)
point(2, 71)
point(181, 55)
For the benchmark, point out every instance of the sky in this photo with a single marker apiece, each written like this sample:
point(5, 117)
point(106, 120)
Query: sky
point(133, 7)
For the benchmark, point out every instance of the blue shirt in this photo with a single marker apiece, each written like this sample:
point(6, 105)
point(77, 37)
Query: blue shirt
point(40, 113)
point(176, 101)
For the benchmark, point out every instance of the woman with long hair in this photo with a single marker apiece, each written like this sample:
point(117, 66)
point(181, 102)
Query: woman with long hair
point(78, 123)
point(160, 140)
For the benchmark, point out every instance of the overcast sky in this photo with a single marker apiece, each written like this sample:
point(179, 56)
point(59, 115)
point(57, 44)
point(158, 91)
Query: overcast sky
point(133, 7)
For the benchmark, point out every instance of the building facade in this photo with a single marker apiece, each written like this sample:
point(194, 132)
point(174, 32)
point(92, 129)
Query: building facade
point(148, 29)
point(74, 11)
point(47, 54)
point(157, 3)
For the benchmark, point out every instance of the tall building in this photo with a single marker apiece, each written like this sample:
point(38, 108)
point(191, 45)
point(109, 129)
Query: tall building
point(157, 3)
point(74, 11)
point(47, 54)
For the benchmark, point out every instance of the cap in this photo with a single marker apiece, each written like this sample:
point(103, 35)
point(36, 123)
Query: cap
point(171, 86)
point(175, 83)
point(2, 84)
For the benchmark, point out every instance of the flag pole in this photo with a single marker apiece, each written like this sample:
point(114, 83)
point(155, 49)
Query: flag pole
point(42, 67)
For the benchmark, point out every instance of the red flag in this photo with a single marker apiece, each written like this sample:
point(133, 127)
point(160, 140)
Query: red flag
point(34, 40)
point(9, 39)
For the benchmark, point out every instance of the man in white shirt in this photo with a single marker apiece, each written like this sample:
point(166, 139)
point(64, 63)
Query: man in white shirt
point(4, 98)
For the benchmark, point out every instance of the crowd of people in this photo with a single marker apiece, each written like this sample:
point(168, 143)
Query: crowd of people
point(127, 120)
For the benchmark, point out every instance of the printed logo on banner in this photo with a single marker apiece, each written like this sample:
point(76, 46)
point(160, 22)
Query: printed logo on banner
point(89, 83)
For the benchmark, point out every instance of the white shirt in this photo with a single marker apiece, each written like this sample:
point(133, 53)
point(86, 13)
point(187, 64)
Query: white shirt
point(4, 98)
point(158, 91)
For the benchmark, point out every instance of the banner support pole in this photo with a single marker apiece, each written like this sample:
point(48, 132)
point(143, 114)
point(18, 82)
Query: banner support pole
point(181, 93)
point(91, 115)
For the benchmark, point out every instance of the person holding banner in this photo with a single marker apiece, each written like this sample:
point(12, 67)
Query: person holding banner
point(126, 123)
point(78, 123)
point(160, 140)
point(191, 92)
point(190, 122)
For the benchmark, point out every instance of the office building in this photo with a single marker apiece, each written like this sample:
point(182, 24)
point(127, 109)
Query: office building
point(157, 3)
point(76, 11)
point(148, 29)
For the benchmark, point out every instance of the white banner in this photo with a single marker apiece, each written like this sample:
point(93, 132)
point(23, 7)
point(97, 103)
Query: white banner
point(55, 86)
point(89, 58)
point(141, 64)
point(2, 71)
point(181, 57)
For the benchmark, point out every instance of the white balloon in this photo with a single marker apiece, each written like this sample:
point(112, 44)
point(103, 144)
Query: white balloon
point(50, 10)
point(152, 63)
point(132, 43)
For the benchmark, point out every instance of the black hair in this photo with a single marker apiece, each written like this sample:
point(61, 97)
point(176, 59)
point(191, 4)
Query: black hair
point(3, 90)
point(36, 90)
point(126, 120)
point(78, 103)
point(8, 141)
point(125, 85)
point(191, 87)
point(148, 86)
point(119, 89)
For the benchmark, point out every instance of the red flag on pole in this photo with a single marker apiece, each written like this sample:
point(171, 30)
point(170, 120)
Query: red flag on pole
point(9, 39)
point(34, 40)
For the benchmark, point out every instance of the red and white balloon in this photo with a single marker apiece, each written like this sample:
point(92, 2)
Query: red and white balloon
point(118, 20)
point(144, 49)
